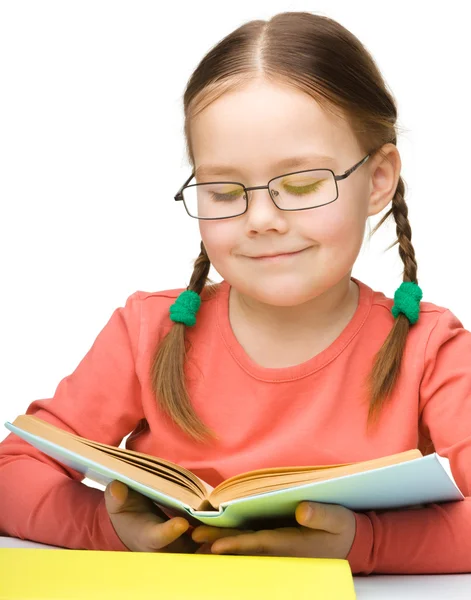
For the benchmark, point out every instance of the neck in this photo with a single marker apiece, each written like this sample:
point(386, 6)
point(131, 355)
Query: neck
point(319, 314)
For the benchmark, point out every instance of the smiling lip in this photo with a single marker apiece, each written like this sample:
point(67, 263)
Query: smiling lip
point(277, 256)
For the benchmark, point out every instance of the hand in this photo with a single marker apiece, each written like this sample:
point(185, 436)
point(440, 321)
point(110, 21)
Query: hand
point(141, 525)
point(327, 531)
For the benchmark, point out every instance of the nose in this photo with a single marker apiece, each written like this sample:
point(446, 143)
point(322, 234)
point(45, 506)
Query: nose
point(262, 213)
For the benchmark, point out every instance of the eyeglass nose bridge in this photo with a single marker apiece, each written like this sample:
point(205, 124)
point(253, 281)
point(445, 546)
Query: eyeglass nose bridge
point(261, 187)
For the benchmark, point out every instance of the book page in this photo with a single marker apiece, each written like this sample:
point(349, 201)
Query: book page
point(112, 459)
point(268, 480)
point(153, 464)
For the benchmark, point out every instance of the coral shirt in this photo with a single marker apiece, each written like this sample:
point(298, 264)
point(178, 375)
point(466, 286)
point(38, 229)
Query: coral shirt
point(313, 413)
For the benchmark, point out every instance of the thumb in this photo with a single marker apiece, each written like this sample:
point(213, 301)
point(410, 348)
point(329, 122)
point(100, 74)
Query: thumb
point(327, 517)
point(116, 494)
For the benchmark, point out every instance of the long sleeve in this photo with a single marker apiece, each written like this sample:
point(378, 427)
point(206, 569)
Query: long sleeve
point(45, 501)
point(435, 538)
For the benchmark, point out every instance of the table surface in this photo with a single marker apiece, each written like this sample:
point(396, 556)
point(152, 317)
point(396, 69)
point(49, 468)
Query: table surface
point(371, 587)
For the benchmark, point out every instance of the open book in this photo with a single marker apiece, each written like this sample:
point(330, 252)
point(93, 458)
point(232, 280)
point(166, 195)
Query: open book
point(398, 480)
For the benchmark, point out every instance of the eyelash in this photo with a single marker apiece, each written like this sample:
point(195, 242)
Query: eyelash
point(311, 188)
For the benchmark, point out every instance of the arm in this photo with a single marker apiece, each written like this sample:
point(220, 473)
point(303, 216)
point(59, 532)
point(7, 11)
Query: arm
point(45, 501)
point(437, 538)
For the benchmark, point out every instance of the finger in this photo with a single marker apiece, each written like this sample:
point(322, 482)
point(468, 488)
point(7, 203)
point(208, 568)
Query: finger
point(204, 549)
point(116, 494)
point(266, 542)
point(327, 517)
point(210, 534)
point(159, 535)
point(289, 541)
point(120, 498)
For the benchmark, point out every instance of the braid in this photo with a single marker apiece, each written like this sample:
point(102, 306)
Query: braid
point(388, 360)
point(200, 271)
point(167, 372)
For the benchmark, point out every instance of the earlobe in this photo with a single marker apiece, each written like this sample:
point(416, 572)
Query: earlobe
point(377, 204)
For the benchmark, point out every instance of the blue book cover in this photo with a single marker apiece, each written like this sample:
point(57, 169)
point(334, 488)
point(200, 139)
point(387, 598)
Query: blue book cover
point(422, 480)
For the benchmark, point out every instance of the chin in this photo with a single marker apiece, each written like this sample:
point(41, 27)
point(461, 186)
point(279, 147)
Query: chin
point(276, 294)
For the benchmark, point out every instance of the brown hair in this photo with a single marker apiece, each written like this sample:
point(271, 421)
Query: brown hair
point(318, 56)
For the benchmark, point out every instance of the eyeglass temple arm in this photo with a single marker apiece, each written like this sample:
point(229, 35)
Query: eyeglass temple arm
point(179, 195)
point(347, 173)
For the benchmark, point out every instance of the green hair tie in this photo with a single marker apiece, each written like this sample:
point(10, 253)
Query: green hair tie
point(185, 307)
point(407, 301)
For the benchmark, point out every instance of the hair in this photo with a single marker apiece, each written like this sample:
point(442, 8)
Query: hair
point(318, 56)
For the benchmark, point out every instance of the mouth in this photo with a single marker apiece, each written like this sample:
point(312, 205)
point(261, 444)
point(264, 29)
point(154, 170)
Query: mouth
point(278, 257)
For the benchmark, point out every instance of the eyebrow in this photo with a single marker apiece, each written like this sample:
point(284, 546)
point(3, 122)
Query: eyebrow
point(286, 163)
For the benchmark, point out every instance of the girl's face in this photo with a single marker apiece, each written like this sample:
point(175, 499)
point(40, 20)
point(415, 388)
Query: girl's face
point(252, 130)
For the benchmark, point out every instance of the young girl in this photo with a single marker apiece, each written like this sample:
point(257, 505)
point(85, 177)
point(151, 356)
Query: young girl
point(291, 134)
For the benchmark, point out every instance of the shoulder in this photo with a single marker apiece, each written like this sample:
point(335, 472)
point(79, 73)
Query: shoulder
point(430, 312)
point(435, 324)
point(167, 297)
point(153, 306)
point(385, 303)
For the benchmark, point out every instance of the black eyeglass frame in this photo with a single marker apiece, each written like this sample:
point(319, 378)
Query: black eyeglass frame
point(179, 195)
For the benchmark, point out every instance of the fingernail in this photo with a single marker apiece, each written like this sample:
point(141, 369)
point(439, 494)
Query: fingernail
point(117, 494)
point(308, 512)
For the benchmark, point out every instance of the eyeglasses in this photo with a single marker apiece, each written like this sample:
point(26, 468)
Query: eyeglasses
point(301, 190)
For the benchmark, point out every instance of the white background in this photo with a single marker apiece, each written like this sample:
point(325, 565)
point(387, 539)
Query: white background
point(92, 153)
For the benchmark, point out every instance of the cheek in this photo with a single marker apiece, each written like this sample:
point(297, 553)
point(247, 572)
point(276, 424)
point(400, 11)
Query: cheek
point(218, 238)
point(336, 224)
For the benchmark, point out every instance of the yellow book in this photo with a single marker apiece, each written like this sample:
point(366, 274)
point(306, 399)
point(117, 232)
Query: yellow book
point(30, 573)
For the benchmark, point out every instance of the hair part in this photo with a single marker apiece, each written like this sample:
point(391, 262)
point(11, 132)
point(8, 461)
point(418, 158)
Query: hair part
point(316, 55)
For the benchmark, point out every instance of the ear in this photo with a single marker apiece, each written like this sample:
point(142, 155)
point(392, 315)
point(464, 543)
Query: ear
point(385, 171)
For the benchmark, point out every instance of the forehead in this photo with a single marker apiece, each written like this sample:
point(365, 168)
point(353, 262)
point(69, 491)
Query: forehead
point(266, 129)
point(289, 163)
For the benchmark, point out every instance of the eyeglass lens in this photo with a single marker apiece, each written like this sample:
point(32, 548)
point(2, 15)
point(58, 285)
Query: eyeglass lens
point(307, 189)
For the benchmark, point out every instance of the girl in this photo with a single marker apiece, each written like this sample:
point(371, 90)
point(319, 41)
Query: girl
point(291, 134)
